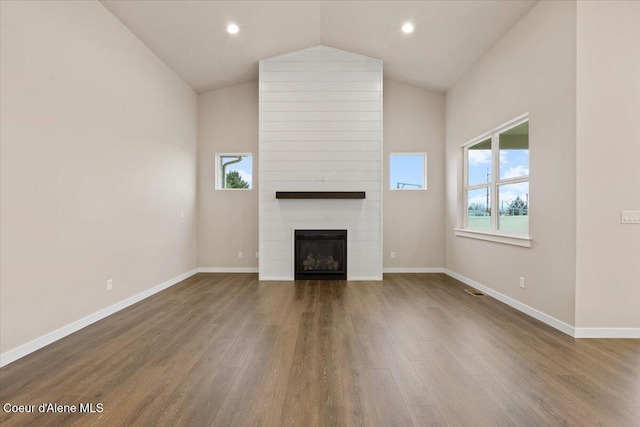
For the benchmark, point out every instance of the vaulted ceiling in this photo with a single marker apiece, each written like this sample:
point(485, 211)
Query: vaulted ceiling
point(191, 37)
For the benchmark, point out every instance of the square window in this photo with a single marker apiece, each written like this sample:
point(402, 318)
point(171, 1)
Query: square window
point(408, 171)
point(234, 171)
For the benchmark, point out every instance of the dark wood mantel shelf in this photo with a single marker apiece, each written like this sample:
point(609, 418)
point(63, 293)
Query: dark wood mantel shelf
point(320, 194)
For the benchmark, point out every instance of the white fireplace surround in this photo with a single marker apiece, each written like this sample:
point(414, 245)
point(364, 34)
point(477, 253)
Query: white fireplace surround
point(320, 130)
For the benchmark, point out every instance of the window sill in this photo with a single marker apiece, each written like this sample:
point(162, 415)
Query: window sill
point(507, 239)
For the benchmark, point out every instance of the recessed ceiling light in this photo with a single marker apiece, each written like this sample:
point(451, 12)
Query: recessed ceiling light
point(232, 29)
point(407, 28)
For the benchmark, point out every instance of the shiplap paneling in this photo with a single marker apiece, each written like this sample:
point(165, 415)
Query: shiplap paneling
point(319, 126)
point(322, 54)
point(314, 155)
point(321, 106)
point(320, 130)
point(332, 176)
point(331, 146)
point(320, 86)
point(319, 116)
point(318, 166)
point(319, 76)
point(327, 185)
point(292, 66)
point(320, 136)
point(319, 215)
point(320, 96)
point(328, 205)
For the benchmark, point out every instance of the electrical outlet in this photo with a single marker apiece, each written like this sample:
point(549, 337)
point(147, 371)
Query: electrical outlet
point(109, 284)
point(240, 255)
point(522, 282)
point(257, 255)
point(181, 214)
point(393, 255)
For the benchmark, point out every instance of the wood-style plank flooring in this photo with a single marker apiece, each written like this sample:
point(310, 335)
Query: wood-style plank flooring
point(414, 349)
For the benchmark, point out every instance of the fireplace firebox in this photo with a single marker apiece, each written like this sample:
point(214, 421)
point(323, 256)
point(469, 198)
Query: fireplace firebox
point(321, 254)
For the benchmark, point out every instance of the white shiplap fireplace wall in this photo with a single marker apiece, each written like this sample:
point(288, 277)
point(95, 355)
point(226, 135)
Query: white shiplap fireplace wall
point(320, 130)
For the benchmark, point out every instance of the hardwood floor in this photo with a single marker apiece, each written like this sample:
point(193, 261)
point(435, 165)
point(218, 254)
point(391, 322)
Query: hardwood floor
point(415, 349)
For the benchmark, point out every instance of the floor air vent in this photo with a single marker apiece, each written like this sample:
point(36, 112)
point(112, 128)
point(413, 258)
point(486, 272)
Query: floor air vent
point(475, 292)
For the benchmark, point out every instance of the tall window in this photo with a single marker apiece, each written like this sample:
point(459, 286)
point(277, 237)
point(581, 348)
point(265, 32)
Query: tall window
point(233, 171)
point(497, 180)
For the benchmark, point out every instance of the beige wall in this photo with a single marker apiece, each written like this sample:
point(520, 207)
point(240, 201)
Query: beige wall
point(227, 121)
point(414, 122)
point(532, 69)
point(98, 159)
point(608, 153)
point(227, 220)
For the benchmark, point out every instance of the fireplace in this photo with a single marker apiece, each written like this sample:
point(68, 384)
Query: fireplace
point(320, 255)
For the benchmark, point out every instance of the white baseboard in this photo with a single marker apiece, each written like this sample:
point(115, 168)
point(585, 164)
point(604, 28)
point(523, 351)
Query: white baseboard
point(38, 343)
point(227, 269)
point(413, 270)
point(549, 320)
point(607, 333)
point(537, 314)
point(25, 349)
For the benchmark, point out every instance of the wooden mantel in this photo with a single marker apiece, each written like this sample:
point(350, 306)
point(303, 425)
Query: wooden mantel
point(320, 194)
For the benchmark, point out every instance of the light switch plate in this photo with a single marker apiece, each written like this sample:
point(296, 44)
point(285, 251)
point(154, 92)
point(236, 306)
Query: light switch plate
point(630, 217)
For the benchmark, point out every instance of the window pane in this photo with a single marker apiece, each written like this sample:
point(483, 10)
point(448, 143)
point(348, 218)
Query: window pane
point(407, 171)
point(513, 201)
point(479, 209)
point(514, 152)
point(479, 158)
point(234, 171)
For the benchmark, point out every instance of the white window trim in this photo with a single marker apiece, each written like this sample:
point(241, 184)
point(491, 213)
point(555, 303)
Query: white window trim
point(424, 168)
point(218, 185)
point(493, 235)
point(509, 239)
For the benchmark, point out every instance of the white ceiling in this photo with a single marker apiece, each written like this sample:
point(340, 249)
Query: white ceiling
point(191, 38)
